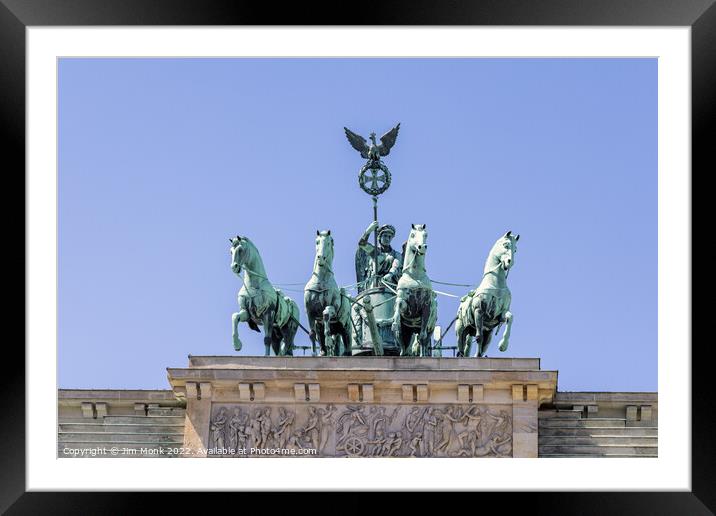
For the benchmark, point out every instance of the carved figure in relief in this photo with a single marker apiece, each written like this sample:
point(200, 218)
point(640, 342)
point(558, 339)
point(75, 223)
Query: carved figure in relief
point(430, 423)
point(414, 419)
point(217, 428)
point(242, 437)
point(495, 445)
point(379, 423)
point(234, 424)
point(283, 431)
point(326, 420)
point(416, 445)
point(501, 445)
point(394, 444)
point(468, 444)
point(266, 427)
point(313, 427)
point(472, 431)
point(501, 422)
point(297, 440)
point(377, 443)
point(351, 422)
point(261, 427)
point(450, 417)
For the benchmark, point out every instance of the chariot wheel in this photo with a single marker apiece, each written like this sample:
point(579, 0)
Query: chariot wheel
point(354, 447)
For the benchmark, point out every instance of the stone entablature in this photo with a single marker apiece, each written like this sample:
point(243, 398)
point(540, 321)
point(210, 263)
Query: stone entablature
point(638, 408)
point(98, 403)
point(397, 406)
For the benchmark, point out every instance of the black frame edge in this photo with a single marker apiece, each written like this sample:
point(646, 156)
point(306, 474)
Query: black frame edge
point(12, 128)
point(700, 14)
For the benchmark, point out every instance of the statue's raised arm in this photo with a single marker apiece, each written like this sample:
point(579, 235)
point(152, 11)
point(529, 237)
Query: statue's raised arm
point(364, 257)
point(387, 256)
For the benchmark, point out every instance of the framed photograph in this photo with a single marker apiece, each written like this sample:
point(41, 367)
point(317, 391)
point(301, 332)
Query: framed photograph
point(170, 169)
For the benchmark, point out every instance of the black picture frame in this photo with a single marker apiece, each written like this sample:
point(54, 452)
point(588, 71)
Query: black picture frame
point(17, 15)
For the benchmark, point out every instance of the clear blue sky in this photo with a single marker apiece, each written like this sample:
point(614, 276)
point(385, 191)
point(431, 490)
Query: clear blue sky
point(162, 160)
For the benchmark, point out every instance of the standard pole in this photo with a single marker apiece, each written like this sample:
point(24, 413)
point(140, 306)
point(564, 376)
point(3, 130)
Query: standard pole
point(375, 241)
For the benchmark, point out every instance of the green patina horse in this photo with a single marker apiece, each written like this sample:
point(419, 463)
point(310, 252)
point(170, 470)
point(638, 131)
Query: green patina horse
point(416, 302)
point(327, 307)
point(488, 306)
point(260, 303)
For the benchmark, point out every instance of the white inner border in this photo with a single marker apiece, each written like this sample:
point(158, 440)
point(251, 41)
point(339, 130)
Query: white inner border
point(671, 470)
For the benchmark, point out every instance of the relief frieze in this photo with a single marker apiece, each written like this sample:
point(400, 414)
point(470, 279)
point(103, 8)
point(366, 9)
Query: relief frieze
point(327, 430)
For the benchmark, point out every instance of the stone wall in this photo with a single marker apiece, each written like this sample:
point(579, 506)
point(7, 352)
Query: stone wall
point(600, 424)
point(357, 407)
point(119, 423)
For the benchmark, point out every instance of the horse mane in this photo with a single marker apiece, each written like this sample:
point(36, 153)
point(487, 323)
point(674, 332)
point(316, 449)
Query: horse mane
point(246, 239)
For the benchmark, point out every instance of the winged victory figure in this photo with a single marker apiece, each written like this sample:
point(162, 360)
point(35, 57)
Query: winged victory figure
point(374, 150)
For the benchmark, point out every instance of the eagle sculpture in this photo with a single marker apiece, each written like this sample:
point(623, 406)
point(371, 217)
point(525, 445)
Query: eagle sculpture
point(373, 151)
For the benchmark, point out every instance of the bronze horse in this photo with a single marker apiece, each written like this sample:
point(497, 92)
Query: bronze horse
point(416, 302)
point(484, 309)
point(260, 303)
point(327, 307)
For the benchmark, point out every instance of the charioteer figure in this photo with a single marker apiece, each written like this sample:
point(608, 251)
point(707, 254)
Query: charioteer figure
point(390, 261)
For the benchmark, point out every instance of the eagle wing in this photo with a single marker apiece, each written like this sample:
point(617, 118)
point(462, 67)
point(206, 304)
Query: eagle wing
point(388, 140)
point(357, 142)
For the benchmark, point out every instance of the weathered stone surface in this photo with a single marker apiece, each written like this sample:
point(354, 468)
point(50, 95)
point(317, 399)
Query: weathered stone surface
point(580, 433)
point(362, 363)
point(365, 406)
point(361, 430)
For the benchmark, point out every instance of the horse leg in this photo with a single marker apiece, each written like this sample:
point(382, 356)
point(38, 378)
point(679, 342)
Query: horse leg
point(461, 334)
point(312, 334)
point(400, 304)
point(486, 337)
point(328, 338)
point(269, 343)
point(346, 336)
point(236, 318)
point(479, 333)
point(308, 302)
point(423, 336)
point(406, 335)
point(477, 315)
point(468, 343)
point(288, 334)
point(321, 334)
point(505, 341)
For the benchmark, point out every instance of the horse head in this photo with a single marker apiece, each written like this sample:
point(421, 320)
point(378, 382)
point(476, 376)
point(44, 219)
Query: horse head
point(324, 249)
point(503, 252)
point(239, 253)
point(418, 239)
